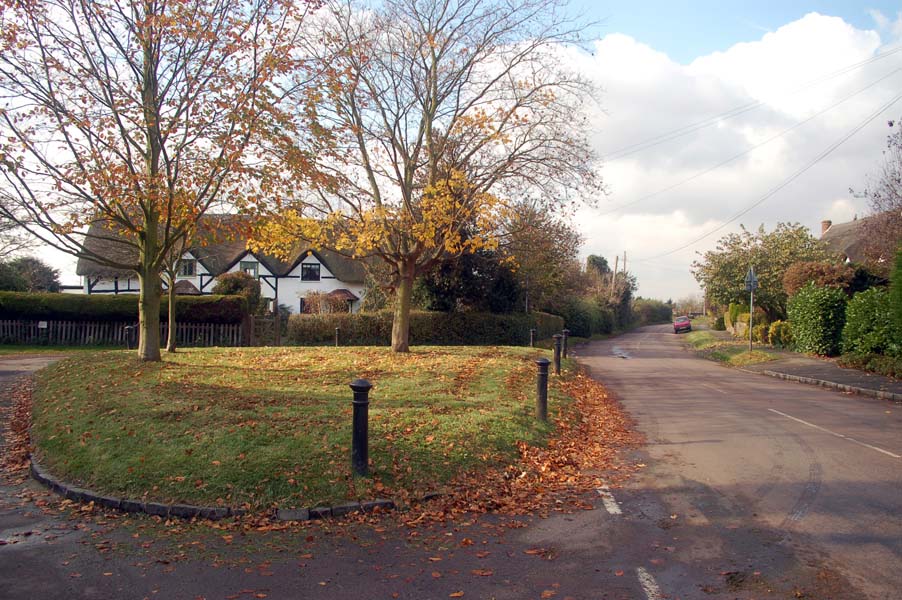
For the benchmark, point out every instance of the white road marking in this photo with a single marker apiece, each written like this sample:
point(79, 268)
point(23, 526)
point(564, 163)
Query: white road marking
point(607, 498)
point(649, 585)
point(711, 387)
point(833, 433)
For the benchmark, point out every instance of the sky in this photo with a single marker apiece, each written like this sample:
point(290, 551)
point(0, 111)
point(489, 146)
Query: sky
point(686, 87)
point(792, 92)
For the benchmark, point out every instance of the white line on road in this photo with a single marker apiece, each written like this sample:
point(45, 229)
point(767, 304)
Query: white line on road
point(649, 585)
point(607, 498)
point(839, 435)
point(711, 387)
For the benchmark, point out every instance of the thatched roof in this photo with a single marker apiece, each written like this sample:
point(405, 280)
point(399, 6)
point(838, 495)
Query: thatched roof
point(848, 240)
point(186, 288)
point(342, 294)
point(218, 248)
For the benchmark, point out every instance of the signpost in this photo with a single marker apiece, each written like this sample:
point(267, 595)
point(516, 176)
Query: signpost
point(751, 284)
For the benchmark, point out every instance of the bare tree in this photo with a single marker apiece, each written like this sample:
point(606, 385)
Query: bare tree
point(140, 116)
point(883, 228)
point(443, 114)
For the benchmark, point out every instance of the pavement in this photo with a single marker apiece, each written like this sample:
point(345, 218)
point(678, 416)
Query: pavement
point(825, 372)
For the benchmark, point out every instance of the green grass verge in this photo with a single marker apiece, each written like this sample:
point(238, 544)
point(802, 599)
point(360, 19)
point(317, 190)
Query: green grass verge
point(272, 426)
point(734, 353)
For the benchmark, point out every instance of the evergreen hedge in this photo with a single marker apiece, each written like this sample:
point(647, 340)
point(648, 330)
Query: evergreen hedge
point(817, 315)
point(869, 328)
point(895, 291)
point(426, 328)
point(117, 307)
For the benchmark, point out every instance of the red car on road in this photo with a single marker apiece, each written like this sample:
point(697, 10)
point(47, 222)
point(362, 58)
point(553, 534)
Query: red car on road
point(682, 324)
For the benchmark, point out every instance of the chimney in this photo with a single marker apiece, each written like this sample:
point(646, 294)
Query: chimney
point(825, 225)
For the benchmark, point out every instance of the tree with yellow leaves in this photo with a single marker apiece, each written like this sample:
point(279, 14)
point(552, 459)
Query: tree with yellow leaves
point(442, 115)
point(122, 122)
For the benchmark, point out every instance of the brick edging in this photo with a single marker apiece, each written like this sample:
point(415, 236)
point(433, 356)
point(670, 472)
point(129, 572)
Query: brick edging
point(190, 511)
point(833, 385)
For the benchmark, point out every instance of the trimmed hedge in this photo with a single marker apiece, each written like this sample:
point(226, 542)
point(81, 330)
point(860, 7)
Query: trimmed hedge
point(868, 329)
point(117, 307)
point(585, 317)
point(817, 315)
point(719, 324)
point(895, 291)
point(426, 328)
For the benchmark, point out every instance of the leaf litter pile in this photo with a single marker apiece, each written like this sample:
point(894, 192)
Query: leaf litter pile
point(268, 428)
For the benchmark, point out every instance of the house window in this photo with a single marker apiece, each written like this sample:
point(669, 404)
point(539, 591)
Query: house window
point(187, 267)
point(250, 267)
point(310, 272)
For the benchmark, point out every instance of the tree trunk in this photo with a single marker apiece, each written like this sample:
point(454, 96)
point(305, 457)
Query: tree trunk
point(170, 340)
point(400, 327)
point(149, 315)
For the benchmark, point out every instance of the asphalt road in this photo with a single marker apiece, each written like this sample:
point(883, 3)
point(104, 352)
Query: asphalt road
point(752, 488)
point(798, 484)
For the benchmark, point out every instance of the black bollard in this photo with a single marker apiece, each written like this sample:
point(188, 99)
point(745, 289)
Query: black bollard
point(557, 353)
point(360, 454)
point(337, 329)
point(566, 333)
point(131, 339)
point(532, 338)
point(542, 389)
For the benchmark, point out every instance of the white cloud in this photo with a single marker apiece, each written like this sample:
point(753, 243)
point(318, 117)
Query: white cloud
point(884, 23)
point(782, 79)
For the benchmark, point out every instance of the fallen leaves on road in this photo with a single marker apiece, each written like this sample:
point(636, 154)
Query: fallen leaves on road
point(16, 451)
point(589, 436)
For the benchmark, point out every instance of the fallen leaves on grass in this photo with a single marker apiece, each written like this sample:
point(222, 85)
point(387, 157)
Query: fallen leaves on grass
point(588, 437)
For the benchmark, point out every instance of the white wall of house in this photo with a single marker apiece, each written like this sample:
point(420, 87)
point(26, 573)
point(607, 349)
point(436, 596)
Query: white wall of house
point(201, 278)
point(291, 288)
point(109, 285)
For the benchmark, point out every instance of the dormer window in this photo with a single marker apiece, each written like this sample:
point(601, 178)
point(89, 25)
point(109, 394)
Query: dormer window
point(310, 272)
point(250, 267)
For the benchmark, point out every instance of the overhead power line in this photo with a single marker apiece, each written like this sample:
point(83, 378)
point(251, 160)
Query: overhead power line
point(735, 112)
point(752, 148)
point(824, 154)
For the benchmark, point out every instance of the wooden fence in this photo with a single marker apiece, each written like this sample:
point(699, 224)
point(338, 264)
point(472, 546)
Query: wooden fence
point(100, 333)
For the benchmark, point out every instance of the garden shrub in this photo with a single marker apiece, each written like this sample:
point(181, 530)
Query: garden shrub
point(719, 325)
point(869, 328)
point(117, 307)
point(760, 333)
point(243, 284)
point(733, 312)
point(780, 334)
point(895, 291)
point(426, 328)
point(817, 315)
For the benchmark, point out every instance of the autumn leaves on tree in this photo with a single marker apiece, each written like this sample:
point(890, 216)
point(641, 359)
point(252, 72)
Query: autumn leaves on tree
point(444, 116)
point(142, 116)
point(405, 132)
